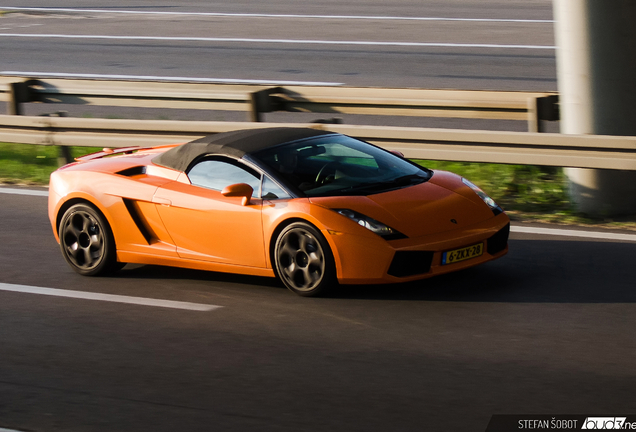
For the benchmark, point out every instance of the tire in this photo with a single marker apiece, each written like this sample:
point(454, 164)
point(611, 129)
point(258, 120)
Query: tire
point(303, 260)
point(87, 242)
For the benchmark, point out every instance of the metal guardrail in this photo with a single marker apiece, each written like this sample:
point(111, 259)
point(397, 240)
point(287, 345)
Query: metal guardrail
point(257, 100)
point(459, 145)
point(583, 151)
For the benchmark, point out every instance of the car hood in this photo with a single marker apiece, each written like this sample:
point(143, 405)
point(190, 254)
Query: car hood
point(436, 206)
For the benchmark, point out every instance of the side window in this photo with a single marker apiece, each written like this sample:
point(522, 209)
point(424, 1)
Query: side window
point(217, 174)
point(272, 191)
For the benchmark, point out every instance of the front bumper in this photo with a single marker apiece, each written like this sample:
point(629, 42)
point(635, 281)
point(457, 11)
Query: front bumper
point(372, 260)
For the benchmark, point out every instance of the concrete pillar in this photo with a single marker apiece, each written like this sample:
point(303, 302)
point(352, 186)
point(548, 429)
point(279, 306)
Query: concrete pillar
point(596, 70)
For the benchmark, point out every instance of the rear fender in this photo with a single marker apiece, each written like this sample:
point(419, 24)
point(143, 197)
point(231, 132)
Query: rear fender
point(105, 192)
point(70, 200)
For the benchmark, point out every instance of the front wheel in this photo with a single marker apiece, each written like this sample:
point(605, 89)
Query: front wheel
point(304, 262)
point(87, 242)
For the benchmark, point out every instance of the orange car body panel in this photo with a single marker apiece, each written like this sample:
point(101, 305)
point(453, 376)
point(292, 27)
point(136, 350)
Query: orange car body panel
point(158, 217)
point(233, 232)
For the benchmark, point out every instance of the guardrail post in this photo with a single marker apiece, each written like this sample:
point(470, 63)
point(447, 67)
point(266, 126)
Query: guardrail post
point(533, 115)
point(64, 153)
point(542, 108)
point(20, 93)
point(65, 156)
point(264, 101)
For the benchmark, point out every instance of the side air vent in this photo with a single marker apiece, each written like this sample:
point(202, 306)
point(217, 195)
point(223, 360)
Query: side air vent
point(498, 242)
point(131, 172)
point(135, 214)
point(409, 263)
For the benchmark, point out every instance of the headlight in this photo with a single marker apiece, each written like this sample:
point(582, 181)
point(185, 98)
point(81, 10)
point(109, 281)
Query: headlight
point(372, 225)
point(481, 194)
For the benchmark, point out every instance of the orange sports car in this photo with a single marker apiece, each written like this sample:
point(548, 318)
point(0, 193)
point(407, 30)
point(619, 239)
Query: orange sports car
point(313, 208)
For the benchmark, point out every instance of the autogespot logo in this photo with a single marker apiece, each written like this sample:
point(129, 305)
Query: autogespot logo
point(607, 423)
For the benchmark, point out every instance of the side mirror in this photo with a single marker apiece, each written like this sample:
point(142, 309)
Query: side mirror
point(239, 190)
point(397, 153)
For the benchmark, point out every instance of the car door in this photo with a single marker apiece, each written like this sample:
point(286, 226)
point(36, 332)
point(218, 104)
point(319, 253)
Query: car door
point(204, 224)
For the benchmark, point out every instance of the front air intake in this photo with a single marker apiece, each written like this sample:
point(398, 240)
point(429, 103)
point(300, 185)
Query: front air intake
point(498, 242)
point(409, 263)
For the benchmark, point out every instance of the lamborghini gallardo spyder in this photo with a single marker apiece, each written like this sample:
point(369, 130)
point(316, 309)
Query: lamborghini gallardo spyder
point(313, 208)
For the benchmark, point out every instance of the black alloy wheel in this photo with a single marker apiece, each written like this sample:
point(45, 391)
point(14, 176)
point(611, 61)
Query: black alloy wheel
point(87, 242)
point(304, 262)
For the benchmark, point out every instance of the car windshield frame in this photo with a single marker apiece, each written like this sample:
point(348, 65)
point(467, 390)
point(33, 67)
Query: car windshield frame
point(338, 165)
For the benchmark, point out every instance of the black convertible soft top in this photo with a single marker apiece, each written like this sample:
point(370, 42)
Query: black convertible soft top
point(235, 143)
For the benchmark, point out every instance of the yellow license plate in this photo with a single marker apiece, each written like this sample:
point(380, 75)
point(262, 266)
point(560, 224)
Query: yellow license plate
point(462, 254)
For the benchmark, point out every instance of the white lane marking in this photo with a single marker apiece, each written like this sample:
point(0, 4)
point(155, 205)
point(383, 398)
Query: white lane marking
point(170, 79)
point(277, 41)
point(108, 297)
point(264, 15)
point(573, 233)
point(9, 430)
point(23, 192)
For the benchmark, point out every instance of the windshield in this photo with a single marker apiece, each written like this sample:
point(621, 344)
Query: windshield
point(340, 165)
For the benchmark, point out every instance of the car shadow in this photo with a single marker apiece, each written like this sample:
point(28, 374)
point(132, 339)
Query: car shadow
point(134, 271)
point(533, 272)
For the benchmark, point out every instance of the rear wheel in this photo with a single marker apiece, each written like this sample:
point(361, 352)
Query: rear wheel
point(304, 262)
point(87, 242)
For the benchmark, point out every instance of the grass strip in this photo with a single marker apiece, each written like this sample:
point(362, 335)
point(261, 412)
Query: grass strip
point(32, 164)
point(526, 192)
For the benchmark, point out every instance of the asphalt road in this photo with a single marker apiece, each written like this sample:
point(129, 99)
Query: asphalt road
point(419, 44)
point(423, 44)
point(546, 330)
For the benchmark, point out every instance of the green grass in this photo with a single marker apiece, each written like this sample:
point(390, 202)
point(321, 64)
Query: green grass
point(32, 164)
point(525, 192)
point(515, 187)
